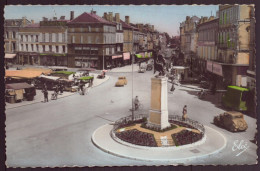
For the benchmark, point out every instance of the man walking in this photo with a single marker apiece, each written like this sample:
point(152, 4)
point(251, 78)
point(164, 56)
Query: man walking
point(184, 113)
point(136, 103)
point(45, 93)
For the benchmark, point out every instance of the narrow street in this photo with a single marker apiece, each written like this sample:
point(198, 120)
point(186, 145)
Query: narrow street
point(59, 133)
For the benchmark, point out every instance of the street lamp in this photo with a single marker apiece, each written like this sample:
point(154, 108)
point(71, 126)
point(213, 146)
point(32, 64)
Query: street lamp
point(132, 86)
point(103, 59)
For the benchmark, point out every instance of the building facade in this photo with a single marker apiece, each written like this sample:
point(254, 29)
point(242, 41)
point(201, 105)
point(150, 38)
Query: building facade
point(91, 41)
point(207, 43)
point(234, 43)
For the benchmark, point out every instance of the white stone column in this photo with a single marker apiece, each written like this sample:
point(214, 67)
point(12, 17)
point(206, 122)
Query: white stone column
point(158, 114)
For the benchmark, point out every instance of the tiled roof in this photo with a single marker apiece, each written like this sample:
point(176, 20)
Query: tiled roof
point(124, 25)
point(89, 18)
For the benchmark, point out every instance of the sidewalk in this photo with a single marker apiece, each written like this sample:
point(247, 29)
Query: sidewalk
point(39, 95)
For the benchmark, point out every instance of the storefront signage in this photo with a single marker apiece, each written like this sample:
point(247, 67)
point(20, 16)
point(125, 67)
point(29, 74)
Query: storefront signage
point(217, 69)
point(117, 56)
point(206, 43)
point(126, 55)
point(209, 66)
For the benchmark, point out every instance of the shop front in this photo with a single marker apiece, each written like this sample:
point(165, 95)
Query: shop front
point(126, 58)
point(88, 62)
point(10, 59)
point(117, 60)
point(29, 58)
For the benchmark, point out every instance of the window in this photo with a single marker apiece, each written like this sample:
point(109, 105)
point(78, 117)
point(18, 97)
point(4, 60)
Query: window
point(43, 37)
point(7, 35)
point(50, 37)
point(37, 38)
point(63, 37)
point(86, 50)
point(81, 39)
point(94, 50)
point(22, 38)
point(26, 47)
point(13, 46)
point(26, 36)
point(63, 49)
point(73, 39)
point(57, 49)
point(43, 48)
point(57, 37)
point(14, 35)
point(89, 28)
point(37, 48)
point(31, 47)
point(50, 48)
point(78, 50)
point(22, 47)
point(107, 51)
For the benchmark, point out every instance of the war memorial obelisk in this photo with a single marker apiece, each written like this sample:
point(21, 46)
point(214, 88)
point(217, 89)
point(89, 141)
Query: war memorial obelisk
point(158, 114)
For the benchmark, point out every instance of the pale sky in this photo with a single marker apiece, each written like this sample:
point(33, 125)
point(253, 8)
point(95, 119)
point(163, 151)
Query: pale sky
point(165, 18)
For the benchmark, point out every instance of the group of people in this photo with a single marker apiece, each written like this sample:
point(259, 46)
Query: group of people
point(58, 88)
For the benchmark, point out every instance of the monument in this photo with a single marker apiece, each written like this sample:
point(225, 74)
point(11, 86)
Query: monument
point(158, 114)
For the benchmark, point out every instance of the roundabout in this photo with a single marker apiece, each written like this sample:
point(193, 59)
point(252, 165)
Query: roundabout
point(211, 143)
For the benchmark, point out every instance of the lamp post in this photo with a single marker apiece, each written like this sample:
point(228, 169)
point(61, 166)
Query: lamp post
point(132, 86)
point(103, 60)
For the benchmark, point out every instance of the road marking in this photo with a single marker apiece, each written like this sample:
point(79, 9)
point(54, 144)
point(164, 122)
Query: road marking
point(104, 118)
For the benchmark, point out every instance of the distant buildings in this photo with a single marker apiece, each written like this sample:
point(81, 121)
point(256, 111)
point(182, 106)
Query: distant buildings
point(85, 41)
point(225, 45)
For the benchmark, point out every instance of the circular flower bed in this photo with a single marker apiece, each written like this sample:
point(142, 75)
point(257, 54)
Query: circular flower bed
point(137, 137)
point(135, 131)
point(186, 137)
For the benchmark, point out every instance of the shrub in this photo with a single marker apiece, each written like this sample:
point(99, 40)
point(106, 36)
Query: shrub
point(186, 137)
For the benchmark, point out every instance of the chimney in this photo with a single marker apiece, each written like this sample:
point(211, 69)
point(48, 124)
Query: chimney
point(44, 19)
point(24, 21)
point(110, 16)
point(117, 16)
point(71, 15)
point(105, 16)
point(127, 20)
point(32, 21)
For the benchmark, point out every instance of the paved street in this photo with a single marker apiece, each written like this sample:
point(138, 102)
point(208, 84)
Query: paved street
point(59, 133)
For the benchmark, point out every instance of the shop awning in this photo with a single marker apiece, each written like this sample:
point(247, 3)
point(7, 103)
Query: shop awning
point(9, 56)
point(22, 73)
point(117, 56)
point(18, 86)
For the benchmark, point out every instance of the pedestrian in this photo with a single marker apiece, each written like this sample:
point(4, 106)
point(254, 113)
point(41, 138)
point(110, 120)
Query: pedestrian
point(61, 88)
point(81, 86)
point(45, 93)
point(184, 113)
point(136, 103)
point(173, 88)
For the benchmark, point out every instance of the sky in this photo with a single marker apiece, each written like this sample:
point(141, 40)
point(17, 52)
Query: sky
point(165, 18)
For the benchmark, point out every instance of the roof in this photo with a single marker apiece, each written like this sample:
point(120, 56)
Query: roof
point(125, 25)
point(33, 25)
point(49, 77)
point(17, 86)
point(89, 18)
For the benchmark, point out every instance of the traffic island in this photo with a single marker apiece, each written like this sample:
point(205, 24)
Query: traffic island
point(145, 146)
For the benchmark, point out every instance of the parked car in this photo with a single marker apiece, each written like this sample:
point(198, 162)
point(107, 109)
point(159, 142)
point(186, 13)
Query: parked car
point(142, 70)
point(232, 121)
point(121, 82)
point(149, 67)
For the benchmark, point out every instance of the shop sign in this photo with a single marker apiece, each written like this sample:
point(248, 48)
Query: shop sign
point(126, 55)
point(210, 66)
point(217, 69)
point(117, 56)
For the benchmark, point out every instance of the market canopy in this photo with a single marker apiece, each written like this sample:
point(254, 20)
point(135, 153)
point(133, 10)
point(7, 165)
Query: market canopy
point(22, 73)
point(9, 56)
point(49, 77)
point(18, 86)
point(43, 70)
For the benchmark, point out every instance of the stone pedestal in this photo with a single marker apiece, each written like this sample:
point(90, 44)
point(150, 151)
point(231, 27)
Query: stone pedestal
point(158, 114)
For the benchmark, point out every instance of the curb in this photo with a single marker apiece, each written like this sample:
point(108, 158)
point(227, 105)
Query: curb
point(156, 159)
